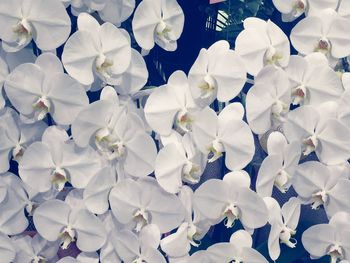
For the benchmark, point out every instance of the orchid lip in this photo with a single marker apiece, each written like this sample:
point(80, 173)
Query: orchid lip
point(184, 120)
point(323, 46)
point(311, 143)
point(59, 179)
point(141, 218)
point(109, 144)
point(103, 66)
point(231, 213)
point(191, 233)
point(281, 181)
point(299, 7)
point(215, 150)
point(286, 237)
point(335, 252)
point(191, 173)
point(279, 110)
point(38, 259)
point(299, 94)
point(24, 31)
point(319, 198)
point(272, 56)
point(42, 106)
point(207, 86)
point(17, 152)
point(164, 32)
point(67, 236)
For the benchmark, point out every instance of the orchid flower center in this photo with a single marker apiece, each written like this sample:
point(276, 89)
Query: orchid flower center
point(67, 236)
point(141, 218)
point(30, 207)
point(38, 259)
point(17, 152)
point(109, 144)
point(118, 149)
point(319, 198)
point(215, 150)
point(231, 213)
point(23, 30)
point(335, 252)
point(310, 144)
point(279, 110)
point(272, 56)
point(191, 173)
point(299, 7)
point(42, 107)
point(323, 46)
point(286, 237)
point(281, 181)
point(191, 233)
point(207, 86)
point(164, 32)
point(59, 179)
point(184, 120)
point(299, 94)
point(103, 66)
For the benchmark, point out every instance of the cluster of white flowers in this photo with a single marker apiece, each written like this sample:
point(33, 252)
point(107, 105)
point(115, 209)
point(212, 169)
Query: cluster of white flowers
point(132, 161)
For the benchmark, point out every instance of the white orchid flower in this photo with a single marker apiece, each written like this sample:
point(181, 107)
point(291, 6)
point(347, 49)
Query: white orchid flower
point(117, 135)
point(284, 222)
point(45, 21)
point(141, 248)
point(7, 249)
point(171, 105)
point(189, 233)
point(83, 257)
point(317, 185)
point(239, 249)
point(117, 11)
point(278, 168)
point(12, 220)
point(226, 133)
point(330, 239)
point(326, 33)
point(328, 137)
point(262, 43)
point(231, 199)
point(292, 9)
point(218, 72)
point(56, 220)
point(268, 101)
point(16, 136)
point(95, 49)
point(56, 160)
point(41, 88)
point(96, 192)
point(179, 161)
point(35, 249)
point(144, 202)
point(312, 80)
point(158, 21)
